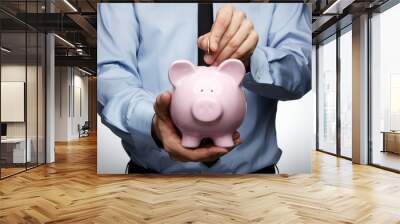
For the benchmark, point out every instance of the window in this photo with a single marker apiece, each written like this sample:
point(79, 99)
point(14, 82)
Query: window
point(346, 93)
point(385, 89)
point(327, 96)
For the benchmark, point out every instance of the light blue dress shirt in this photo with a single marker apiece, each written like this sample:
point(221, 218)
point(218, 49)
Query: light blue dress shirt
point(138, 42)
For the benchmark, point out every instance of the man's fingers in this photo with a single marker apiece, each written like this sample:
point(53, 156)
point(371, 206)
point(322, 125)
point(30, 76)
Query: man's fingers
point(236, 138)
point(171, 146)
point(237, 18)
point(208, 153)
point(220, 25)
point(177, 158)
point(237, 141)
point(201, 154)
point(202, 41)
point(212, 158)
point(162, 104)
point(247, 46)
point(240, 36)
point(231, 36)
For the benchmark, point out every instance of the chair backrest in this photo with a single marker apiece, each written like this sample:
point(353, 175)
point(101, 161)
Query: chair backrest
point(86, 125)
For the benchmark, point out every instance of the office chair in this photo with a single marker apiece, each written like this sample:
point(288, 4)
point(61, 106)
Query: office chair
point(84, 130)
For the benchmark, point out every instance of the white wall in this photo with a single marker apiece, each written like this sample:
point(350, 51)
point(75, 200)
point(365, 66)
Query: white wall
point(18, 73)
point(295, 127)
point(12, 100)
point(14, 73)
point(111, 157)
point(81, 84)
point(70, 83)
point(61, 104)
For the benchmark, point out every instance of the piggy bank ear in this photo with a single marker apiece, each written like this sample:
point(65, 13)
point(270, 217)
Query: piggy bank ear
point(233, 68)
point(178, 70)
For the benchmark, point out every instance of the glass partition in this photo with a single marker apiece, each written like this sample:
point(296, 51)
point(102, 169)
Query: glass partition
point(31, 86)
point(41, 108)
point(22, 67)
point(385, 89)
point(31, 99)
point(14, 153)
point(346, 93)
point(327, 96)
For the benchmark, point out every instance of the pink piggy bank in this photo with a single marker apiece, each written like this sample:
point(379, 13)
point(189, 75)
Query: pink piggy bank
point(207, 102)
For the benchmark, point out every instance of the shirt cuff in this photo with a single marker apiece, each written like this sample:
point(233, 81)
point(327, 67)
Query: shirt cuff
point(139, 123)
point(259, 67)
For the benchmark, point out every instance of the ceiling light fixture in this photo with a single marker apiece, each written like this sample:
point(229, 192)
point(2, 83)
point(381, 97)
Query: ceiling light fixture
point(84, 71)
point(65, 41)
point(5, 50)
point(70, 5)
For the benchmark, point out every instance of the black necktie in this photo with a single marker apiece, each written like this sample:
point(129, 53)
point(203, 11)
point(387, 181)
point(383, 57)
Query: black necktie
point(204, 23)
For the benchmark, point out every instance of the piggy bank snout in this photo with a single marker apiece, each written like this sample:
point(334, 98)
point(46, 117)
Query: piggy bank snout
point(206, 110)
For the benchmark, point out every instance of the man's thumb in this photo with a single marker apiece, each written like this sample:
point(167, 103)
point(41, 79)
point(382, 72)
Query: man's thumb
point(162, 105)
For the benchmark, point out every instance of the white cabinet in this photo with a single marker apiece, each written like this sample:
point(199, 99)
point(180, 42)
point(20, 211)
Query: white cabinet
point(17, 146)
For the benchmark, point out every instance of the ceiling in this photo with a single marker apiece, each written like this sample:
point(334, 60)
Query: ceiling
point(72, 20)
point(332, 15)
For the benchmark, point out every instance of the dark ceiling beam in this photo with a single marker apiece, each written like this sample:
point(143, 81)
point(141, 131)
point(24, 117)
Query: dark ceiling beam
point(91, 5)
point(11, 25)
point(90, 70)
point(325, 26)
point(49, 22)
point(332, 29)
point(337, 7)
point(320, 23)
point(57, 22)
point(82, 61)
point(63, 7)
point(86, 51)
point(86, 27)
point(15, 18)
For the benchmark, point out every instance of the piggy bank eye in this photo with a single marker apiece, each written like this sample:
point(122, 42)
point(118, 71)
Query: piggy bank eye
point(212, 90)
point(202, 90)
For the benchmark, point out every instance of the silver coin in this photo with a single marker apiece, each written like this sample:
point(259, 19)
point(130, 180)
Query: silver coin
point(208, 46)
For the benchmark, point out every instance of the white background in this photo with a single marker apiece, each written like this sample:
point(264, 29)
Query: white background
point(295, 126)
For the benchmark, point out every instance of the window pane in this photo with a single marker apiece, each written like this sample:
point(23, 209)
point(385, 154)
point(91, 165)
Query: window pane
point(14, 150)
point(345, 94)
point(41, 98)
point(385, 84)
point(31, 97)
point(327, 96)
point(22, 89)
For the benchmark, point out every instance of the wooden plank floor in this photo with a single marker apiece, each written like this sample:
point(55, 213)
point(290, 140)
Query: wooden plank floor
point(70, 191)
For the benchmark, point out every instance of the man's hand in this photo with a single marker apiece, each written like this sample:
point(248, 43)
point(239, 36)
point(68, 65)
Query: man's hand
point(232, 36)
point(169, 136)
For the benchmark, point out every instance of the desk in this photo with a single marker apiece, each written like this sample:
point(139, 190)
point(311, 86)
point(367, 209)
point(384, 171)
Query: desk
point(13, 150)
point(391, 141)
